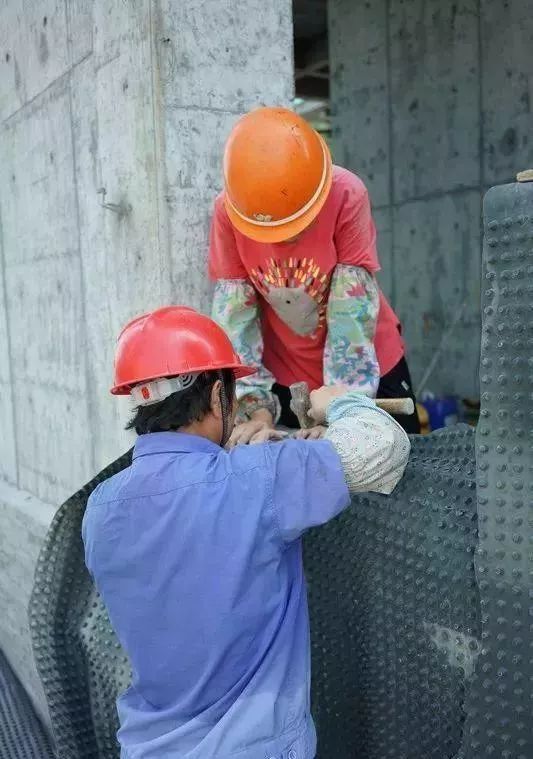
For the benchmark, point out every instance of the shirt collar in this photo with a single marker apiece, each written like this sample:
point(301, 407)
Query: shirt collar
point(173, 442)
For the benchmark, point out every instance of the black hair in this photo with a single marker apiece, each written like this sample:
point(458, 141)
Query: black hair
point(184, 407)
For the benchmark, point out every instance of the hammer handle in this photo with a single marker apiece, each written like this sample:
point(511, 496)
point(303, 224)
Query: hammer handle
point(301, 404)
point(396, 406)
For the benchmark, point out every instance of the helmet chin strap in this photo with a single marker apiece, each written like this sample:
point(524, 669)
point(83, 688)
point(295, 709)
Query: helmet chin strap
point(226, 412)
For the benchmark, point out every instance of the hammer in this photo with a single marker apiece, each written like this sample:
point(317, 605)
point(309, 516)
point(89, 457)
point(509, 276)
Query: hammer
point(301, 404)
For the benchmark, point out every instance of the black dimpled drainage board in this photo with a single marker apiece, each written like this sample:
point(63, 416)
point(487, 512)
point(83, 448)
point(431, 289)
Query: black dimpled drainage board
point(77, 654)
point(411, 656)
point(21, 733)
point(395, 611)
point(500, 700)
point(393, 604)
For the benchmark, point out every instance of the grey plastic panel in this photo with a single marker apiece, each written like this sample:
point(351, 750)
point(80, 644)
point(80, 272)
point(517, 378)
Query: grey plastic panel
point(421, 647)
point(78, 657)
point(500, 701)
point(22, 735)
point(394, 611)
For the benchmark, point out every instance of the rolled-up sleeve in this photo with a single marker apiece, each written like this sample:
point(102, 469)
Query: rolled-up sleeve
point(308, 485)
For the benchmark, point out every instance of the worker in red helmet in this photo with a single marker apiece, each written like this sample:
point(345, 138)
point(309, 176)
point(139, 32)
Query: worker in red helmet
point(293, 256)
point(196, 551)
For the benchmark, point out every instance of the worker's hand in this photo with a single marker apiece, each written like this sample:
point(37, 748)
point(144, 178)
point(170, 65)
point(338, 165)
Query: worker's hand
point(244, 433)
point(266, 436)
point(313, 433)
point(320, 400)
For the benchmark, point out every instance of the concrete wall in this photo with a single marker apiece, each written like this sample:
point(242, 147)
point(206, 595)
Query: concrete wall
point(134, 98)
point(432, 104)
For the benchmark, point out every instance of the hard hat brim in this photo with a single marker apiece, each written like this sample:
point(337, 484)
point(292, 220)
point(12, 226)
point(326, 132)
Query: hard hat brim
point(240, 371)
point(283, 232)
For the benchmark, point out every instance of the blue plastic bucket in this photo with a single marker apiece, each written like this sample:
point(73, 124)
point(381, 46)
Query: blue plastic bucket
point(442, 412)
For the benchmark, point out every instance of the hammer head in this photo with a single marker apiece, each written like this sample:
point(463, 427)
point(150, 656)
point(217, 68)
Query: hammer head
point(301, 404)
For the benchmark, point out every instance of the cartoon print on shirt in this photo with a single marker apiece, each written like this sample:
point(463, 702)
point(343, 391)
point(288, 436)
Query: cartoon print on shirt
point(297, 290)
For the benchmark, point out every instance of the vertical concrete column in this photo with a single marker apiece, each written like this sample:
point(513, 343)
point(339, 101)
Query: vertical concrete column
point(113, 118)
point(431, 104)
point(406, 119)
point(112, 121)
point(360, 108)
point(215, 61)
point(170, 80)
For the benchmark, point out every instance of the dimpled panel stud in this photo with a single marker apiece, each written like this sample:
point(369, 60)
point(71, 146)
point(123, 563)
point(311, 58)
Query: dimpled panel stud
point(395, 615)
point(21, 733)
point(499, 720)
point(79, 659)
point(394, 609)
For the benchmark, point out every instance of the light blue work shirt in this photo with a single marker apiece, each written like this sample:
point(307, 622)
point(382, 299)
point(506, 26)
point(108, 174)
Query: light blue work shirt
point(197, 555)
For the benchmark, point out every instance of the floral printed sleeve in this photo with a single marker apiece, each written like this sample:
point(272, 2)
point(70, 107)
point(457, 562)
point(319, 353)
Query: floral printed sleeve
point(349, 354)
point(236, 309)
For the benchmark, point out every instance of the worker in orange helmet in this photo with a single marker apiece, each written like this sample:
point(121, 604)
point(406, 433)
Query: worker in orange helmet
point(196, 551)
point(293, 256)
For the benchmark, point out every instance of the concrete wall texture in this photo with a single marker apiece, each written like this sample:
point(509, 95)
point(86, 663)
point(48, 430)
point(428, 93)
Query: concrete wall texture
point(432, 104)
point(135, 99)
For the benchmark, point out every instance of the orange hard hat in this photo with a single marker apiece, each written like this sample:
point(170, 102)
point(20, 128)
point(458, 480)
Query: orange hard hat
point(277, 174)
point(169, 342)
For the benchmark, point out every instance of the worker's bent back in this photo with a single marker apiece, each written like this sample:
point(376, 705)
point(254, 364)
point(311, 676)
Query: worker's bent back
point(197, 555)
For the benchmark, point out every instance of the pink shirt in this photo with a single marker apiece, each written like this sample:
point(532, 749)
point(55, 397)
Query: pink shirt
point(343, 233)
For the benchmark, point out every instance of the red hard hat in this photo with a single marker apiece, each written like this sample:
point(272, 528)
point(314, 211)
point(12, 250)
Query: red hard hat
point(172, 341)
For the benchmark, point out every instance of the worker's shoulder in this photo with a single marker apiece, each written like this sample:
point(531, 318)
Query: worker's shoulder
point(260, 461)
point(263, 457)
point(245, 458)
point(344, 180)
point(110, 489)
point(270, 456)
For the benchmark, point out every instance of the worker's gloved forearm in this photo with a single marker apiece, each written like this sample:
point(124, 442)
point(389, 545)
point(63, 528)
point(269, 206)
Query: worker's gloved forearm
point(372, 447)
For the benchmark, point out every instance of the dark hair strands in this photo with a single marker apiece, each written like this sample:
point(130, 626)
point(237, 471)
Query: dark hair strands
point(182, 408)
